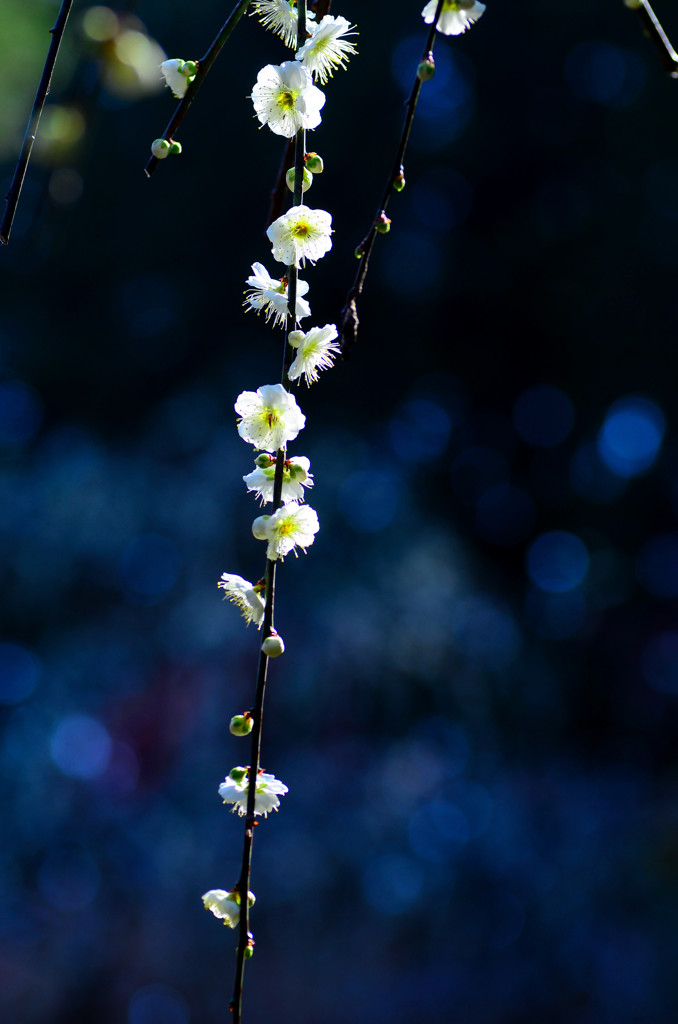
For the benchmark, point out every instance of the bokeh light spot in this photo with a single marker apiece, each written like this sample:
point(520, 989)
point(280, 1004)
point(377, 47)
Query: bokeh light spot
point(475, 470)
point(69, 878)
point(659, 662)
point(605, 74)
point(555, 616)
point(19, 673)
point(149, 566)
point(657, 565)
point(591, 479)
point(80, 746)
point(369, 500)
point(20, 412)
point(420, 430)
point(392, 883)
point(557, 561)
point(630, 437)
point(158, 1004)
point(543, 416)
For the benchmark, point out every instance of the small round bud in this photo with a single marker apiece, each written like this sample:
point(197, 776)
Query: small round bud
point(249, 951)
point(264, 461)
point(306, 183)
point(426, 69)
point(273, 646)
point(383, 224)
point(259, 527)
point(160, 149)
point(314, 163)
point(297, 472)
point(237, 774)
point(399, 183)
point(188, 68)
point(633, 4)
point(358, 252)
point(241, 725)
point(175, 148)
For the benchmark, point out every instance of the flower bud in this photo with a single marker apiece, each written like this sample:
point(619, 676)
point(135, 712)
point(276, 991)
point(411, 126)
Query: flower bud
point(383, 224)
point(306, 183)
point(160, 149)
point(175, 148)
point(426, 69)
point(259, 527)
point(273, 646)
point(241, 725)
point(314, 163)
point(297, 472)
point(399, 183)
point(358, 252)
point(249, 950)
point(188, 68)
point(237, 774)
point(264, 461)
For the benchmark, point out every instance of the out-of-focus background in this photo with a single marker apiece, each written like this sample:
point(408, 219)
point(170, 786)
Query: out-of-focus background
point(476, 715)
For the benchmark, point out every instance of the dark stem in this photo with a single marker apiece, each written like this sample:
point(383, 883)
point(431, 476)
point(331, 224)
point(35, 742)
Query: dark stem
point(348, 330)
point(667, 54)
point(258, 709)
point(12, 197)
point(279, 190)
point(204, 64)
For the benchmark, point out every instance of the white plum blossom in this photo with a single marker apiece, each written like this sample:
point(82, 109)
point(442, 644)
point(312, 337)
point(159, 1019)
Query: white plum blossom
point(326, 50)
point(243, 594)
point(233, 790)
point(315, 351)
point(175, 77)
point(286, 99)
point(296, 476)
point(290, 527)
point(268, 296)
point(226, 905)
point(269, 417)
point(455, 17)
point(281, 17)
point(301, 234)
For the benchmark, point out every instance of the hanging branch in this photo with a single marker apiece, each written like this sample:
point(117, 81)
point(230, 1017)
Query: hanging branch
point(348, 329)
point(12, 197)
point(654, 30)
point(204, 65)
point(257, 711)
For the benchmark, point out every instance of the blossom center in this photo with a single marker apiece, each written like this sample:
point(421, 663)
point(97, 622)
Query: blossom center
point(301, 230)
point(286, 100)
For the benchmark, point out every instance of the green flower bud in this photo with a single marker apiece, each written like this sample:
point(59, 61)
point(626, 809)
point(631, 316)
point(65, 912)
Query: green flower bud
point(273, 646)
point(259, 527)
point(175, 148)
point(399, 183)
point(188, 68)
point(359, 252)
point(237, 774)
point(383, 224)
point(241, 725)
point(307, 180)
point(314, 163)
point(264, 461)
point(160, 149)
point(426, 69)
point(249, 950)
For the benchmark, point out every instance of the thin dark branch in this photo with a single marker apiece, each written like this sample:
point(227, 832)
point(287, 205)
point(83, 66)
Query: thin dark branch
point(57, 33)
point(204, 64)
point(348, 330)
point(654, 30)
point(257, 712)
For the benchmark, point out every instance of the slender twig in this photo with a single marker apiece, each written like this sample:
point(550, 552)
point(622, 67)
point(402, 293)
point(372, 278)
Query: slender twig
point(257, 710)
point(57, 33)
point(654, 30)
point(204, 64)
point(279, 190)
point(348, 331)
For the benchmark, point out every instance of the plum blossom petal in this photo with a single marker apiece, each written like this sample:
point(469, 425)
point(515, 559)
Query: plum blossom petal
point(301, 234)
point(326, 50)
point(455, 17)
point(243, 594)
point(269, 417)
point(316, 350)
point(285, 98)
point(233, 790)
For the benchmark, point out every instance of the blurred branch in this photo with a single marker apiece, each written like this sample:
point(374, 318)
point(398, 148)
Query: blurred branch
point(348, 330)
point(57, 32)
point(204, 64)
point(654, 30)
